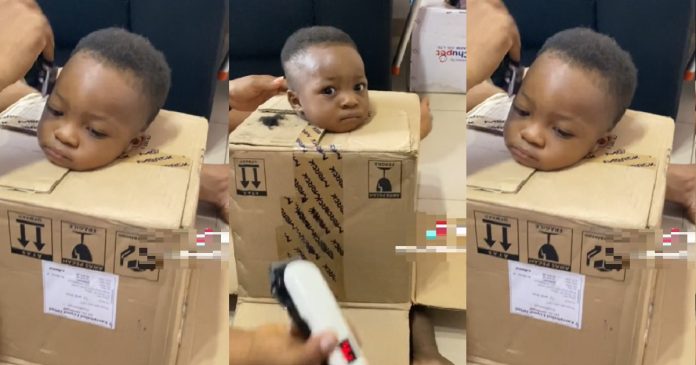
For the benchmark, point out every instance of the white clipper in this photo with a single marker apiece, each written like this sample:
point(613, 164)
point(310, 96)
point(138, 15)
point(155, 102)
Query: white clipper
point(299, 286)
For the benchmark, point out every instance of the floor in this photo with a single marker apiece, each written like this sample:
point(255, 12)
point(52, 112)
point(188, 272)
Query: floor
point(683, 152)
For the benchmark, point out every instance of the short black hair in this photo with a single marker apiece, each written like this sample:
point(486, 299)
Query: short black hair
point(302, 39)
point(131, 52)
point(585, 48)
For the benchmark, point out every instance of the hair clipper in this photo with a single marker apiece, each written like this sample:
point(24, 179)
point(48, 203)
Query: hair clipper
point(47, 75)
point(299, 286)
point(509, 76)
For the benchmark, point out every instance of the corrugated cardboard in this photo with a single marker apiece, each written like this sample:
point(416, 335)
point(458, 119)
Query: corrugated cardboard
point(441, 278)
point(134, 195)
point(205, 335)
point(438, 51)
point(672, 332)
point(377, 282)
point(603, 194)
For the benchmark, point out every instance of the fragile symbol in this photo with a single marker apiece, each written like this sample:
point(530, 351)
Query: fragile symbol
point(489, 236)
point(384, 179)
point(23, 236)
point(244, 181)
point(136, 265)
point(81, 251)
point(547, 251)
point(603, 265)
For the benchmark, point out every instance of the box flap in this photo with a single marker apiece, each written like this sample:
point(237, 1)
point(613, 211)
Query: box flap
point(393, 132)
point(383, 331)
point(441, 280)
point(175, 139)
point(22, 162)
point(23, 165)
point(672, 332)
point(490, 167)
point(205, 334)
point(614, 188)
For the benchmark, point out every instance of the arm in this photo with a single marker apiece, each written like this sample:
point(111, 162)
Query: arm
point(275, 345)
point(479, 93)
point(14, 92)
point(491, 34)
point(24, 34)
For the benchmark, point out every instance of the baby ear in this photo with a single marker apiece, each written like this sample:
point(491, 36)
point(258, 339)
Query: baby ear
point(602, 142)
point(136, 142)
point(294, 101)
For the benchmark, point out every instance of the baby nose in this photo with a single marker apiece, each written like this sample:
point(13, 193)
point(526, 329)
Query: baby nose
point(349, 100)
point(534, 135)
point(67, 135)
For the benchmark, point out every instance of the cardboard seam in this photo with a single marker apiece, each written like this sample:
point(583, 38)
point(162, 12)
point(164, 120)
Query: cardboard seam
point(355, 305)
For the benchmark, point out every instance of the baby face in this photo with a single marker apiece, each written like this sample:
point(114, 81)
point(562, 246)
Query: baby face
point(94, 114)
point(560, 114)
point(329, 88)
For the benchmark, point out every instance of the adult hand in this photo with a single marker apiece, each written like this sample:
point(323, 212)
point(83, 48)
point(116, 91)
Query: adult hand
point(491, 33)
point(24, 34)
point(277, 345)
point(215, 180)
point(248, 92)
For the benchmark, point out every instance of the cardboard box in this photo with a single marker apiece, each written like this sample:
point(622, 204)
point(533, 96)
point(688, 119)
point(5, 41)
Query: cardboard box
point(549, 235)
point(363, 182)
point(97, 221)
point(441, 277)
point(438, 50)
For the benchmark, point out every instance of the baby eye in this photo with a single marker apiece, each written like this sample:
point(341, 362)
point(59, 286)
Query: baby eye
point(563, 134)
point(95, 133)
point(519, 111)
point(360, 87)
point(329, 91)
point(53, 111)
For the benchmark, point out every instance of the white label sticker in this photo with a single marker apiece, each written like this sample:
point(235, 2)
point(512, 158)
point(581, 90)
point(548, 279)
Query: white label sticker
point(549, 295)
point(83, 295)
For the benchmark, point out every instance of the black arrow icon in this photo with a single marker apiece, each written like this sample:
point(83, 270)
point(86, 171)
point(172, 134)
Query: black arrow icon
point(505, 242)
point(489, 236)
point(39, 245)
point(23, 237)
point(256, 181)
point(245, 182)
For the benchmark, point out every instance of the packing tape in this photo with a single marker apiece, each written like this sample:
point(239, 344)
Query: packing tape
point(313, 218)
point(155, 157)
point(17, 124)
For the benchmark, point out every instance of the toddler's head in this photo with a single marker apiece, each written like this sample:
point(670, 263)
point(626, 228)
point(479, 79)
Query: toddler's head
point(574, 93)
point(108, 93)
point(326, 79)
